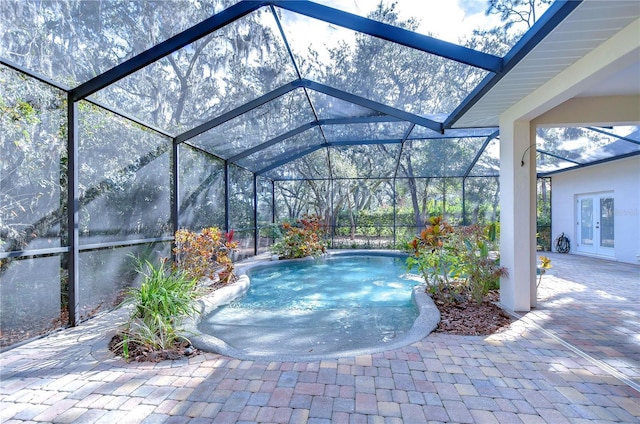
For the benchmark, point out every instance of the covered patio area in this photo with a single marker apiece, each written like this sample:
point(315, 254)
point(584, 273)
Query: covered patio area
point(573, 358)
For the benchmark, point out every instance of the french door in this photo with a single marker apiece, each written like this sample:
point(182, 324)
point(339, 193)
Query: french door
point(595, 224)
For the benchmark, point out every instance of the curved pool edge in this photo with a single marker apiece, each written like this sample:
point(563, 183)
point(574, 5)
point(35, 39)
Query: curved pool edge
point(427, 320)
point(245, 266)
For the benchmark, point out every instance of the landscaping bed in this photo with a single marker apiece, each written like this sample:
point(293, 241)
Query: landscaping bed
point(471, 319)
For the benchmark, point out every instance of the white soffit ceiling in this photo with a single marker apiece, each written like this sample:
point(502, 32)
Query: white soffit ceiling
point(588, 26)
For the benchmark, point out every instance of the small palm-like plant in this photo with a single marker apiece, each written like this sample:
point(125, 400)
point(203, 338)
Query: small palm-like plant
point(164, 298)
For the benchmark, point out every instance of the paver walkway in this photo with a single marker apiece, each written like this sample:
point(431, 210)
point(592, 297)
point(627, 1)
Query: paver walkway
point(573, 359)
point(594, 305)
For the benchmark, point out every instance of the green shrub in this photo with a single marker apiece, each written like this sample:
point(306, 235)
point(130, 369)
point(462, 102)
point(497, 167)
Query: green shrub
point(482, 271)
point(165, 297)
point(457, 263)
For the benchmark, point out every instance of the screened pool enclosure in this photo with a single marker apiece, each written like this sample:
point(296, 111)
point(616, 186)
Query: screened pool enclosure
point(124, 121)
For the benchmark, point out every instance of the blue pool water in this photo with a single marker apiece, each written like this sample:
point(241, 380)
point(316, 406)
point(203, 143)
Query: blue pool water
point(342, 302)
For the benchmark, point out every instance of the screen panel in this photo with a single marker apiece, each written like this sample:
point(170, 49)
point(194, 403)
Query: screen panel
point(439, 157)
point(329, 107)
point(33, 155)
point(377, 69)
point(266, 230)
point(365, 131)
point(561, 148)
point(313, 165)
point(31, 297)
point(482, 200)
point(282, 150)
point(202, 188)
point(303, 197)
point(124, 179)
point(419, 199)
point(256, 126)
point(246, 241)
point(488, 164)
point(240, 199)
point(106, 274)
point(364, 161)
point(217, 73)
point(363, 214)
point(73, 41)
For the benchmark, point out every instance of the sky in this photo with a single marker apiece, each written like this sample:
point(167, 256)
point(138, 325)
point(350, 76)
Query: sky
point(447, 19)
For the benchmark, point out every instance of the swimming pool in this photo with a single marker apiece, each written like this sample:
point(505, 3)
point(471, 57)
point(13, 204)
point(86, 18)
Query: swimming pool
point(339, 304)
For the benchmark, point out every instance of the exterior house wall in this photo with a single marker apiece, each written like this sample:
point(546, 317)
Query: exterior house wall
point(622, 178)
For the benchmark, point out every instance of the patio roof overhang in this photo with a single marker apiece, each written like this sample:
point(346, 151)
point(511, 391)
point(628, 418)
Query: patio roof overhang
point(594, 50)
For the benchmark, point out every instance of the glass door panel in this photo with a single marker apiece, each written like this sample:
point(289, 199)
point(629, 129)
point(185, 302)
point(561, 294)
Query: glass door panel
point(606, 223)
point(586, 224)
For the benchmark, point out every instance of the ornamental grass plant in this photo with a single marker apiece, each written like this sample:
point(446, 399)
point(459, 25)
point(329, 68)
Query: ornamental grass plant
point(479, 260)
point(165, 297)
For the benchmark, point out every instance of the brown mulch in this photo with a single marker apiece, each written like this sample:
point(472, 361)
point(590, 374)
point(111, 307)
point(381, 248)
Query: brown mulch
point(470, 319)
point(140, 353)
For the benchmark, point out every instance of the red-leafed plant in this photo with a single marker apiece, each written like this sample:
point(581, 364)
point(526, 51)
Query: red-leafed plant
point(205, 254)
point(304, 239)
point(434, 255)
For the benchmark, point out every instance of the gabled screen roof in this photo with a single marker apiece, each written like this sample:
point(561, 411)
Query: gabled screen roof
point(297, 89)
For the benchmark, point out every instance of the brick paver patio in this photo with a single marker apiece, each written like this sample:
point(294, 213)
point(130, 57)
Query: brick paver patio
point(573, 359)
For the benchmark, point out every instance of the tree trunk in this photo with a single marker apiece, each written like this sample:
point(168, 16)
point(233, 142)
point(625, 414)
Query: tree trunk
point(352, 221)
point(496, 201)
point(413, 190)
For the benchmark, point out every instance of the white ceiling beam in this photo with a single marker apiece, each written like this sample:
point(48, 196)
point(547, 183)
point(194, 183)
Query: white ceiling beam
point(593, 111)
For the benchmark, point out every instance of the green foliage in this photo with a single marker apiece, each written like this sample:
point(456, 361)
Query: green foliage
point(163, 292)
point(543, 238)
point(456, 263)
point(302, 241)
point(163, 299)
point(543, 214)
point(271, 231)
point(435, 257)
point(481, 268)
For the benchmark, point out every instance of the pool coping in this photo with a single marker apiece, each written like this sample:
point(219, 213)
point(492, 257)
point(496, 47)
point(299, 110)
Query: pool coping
point(427, 320)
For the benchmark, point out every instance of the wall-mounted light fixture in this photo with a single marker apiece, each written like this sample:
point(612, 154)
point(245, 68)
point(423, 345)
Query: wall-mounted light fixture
point(525, 152)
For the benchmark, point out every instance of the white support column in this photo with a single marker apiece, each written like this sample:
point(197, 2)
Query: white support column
point(517, 214)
